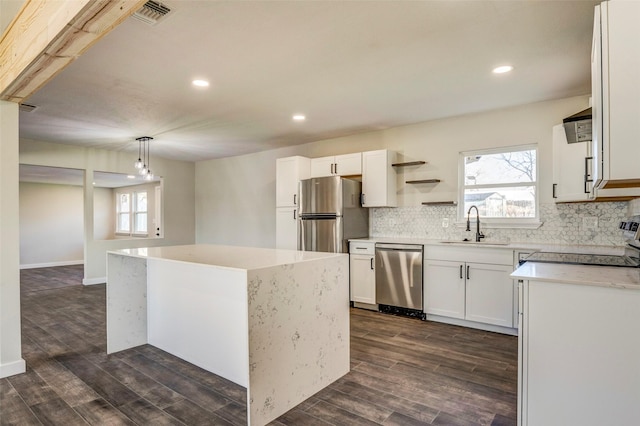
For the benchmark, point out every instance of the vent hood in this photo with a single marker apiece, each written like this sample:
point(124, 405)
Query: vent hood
point(578, 127)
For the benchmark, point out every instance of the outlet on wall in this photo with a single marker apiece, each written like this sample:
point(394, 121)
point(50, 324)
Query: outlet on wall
point(445, 222)
point(590, 222)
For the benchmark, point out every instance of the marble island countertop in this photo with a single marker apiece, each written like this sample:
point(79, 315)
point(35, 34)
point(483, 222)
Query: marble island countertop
point(601, 276)
point(233, 257)
point(509, 245)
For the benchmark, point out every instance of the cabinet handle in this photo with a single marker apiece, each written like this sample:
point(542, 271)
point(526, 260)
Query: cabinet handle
point(361, 199)
point(294, 199)
point(294, 215)
point(555, 185)
point(331, 168)
point(372, 263)
point(335, 168)
point(587, 175)
point(468, 276)
point(460, 271)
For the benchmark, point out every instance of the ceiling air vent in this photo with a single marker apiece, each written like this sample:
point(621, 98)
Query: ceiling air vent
point(27, 107)
point(152, 12)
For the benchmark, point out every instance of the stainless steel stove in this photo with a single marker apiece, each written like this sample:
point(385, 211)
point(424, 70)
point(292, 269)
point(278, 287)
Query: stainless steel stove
point(631, 258)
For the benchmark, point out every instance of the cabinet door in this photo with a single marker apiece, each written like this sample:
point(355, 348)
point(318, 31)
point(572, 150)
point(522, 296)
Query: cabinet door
point(444, 288)
point(362, 278)
point(570, 163)
point(489, 294)
point(348, 164)
point(286, 228)
point(289, 171)
point(322, 166)
point(378, 179)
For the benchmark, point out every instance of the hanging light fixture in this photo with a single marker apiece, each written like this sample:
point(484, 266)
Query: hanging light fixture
point(142, 164)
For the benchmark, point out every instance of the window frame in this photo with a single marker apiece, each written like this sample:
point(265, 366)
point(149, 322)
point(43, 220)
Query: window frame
point(133, 212)
point(503, 222)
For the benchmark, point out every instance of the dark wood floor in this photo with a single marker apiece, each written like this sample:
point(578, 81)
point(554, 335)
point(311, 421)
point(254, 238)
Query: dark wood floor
point(403, 372)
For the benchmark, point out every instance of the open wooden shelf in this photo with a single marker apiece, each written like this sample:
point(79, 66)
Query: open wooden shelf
point(409, 163)
point(424, 181)
point(439, 203)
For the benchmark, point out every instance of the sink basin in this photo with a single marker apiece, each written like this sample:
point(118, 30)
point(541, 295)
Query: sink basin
point(480, 243)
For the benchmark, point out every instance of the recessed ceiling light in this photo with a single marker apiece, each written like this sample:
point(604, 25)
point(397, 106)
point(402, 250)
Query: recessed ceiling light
point(200, 83)
point(131, 177)
point(502, 69)
point(299, 117)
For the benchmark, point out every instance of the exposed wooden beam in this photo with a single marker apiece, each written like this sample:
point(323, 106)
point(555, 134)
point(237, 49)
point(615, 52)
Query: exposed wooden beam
point(47, 35)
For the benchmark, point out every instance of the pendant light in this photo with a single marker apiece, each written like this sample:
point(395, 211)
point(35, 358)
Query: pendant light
point(142, 164)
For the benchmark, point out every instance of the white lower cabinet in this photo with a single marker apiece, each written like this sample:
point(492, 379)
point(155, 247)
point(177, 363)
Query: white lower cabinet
point(579, 355)
point(362, 274)
point(287, 228)
point(472, 293)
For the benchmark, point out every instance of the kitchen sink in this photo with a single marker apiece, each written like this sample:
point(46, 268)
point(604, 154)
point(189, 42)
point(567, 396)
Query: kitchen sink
point(479, 243)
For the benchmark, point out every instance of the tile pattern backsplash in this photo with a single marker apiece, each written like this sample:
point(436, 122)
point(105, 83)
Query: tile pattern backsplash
point(562, 224)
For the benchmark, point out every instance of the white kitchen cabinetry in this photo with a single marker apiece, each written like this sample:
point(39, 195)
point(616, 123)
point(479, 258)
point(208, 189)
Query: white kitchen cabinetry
point(287, 228)
point(571, 168)
point(615, 67)
point(469, 285)
point(339, 165)
point(379, 179)
point(578, 355)
point(362, 274)
point(289, 171)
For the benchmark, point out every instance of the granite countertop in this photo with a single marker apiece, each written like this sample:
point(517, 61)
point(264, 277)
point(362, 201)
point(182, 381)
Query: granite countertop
point(233, 257)
point(601, 276)
point(559, 248)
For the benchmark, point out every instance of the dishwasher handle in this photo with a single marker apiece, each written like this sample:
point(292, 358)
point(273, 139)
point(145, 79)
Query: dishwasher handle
point(399, 247)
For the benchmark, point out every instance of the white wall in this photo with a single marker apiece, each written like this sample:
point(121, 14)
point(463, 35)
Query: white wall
point(104, 219)
point(51, 225)
point(178, 187)
point(11, 361)
point(235, 197)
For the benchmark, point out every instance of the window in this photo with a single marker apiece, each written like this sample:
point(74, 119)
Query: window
point(131, 213)
point(501, 183)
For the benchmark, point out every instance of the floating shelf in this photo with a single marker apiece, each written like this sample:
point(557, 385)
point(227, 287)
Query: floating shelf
point(409, 163)
point(424, 181)
point(440, 203)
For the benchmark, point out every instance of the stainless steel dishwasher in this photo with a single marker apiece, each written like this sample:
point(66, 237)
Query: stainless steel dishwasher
point(399, 275)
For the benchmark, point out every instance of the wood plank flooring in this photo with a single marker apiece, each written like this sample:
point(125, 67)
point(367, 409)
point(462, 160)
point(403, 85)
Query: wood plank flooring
point(403, 372)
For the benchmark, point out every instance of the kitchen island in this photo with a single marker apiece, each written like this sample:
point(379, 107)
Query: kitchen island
point(273, 321)
point(578, 347)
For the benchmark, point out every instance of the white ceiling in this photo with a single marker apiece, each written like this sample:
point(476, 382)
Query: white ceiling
point(350, 66)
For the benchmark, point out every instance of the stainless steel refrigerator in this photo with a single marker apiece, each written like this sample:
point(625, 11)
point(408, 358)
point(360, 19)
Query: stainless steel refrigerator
point(330, 214)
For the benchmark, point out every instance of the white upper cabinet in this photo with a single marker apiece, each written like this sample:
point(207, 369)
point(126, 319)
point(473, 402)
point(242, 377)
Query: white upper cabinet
point(289, 171)
point(571, 168)
point(378, 179)
point(616, 96)
point(338, 165)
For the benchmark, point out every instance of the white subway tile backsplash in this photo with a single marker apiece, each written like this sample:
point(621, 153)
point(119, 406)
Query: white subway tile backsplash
point(562, 224)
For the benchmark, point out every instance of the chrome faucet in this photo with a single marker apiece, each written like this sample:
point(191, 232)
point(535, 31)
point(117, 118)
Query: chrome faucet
point(479, 235)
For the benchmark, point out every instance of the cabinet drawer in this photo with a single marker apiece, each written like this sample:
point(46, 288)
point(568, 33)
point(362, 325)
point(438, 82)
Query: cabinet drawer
point(362, 247)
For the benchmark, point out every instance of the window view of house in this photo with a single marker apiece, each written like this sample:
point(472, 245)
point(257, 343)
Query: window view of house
point(500, 183)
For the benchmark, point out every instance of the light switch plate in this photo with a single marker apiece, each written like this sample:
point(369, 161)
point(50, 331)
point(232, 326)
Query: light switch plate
point(445, 222)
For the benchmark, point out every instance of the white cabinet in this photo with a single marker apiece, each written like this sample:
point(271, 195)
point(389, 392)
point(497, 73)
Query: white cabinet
point(362, 273)
point(470, 284)
point(289, 171)
point(578, 355)
point(338, 165)
point(615, 67)
point(571, 168)
point(287, 228)
point(444, 288)
point(378, 179)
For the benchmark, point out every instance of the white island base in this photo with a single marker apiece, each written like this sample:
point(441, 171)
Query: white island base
point(273, 321)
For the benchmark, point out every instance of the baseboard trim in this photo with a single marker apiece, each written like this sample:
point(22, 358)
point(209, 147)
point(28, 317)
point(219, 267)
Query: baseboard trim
point(12, 368)
point(52, 264)
point(92, 281)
